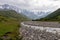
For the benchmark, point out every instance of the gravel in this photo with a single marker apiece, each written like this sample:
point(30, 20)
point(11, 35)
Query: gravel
point(30, 33)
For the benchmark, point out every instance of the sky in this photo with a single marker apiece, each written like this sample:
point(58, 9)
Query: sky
point(34, 5)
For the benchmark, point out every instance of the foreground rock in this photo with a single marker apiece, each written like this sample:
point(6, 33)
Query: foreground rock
point(40, 30)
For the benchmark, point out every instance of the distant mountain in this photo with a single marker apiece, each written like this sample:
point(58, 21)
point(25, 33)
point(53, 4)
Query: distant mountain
point(55, 16)
point(12, 14)
point(28, 13)
point(34, 15)
point(9, 7)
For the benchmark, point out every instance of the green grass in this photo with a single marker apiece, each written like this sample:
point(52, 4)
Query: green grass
point(10, 25)
point(7, 27)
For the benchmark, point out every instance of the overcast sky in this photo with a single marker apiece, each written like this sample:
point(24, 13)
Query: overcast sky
point(34, 4)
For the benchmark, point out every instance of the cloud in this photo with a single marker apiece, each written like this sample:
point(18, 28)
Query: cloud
point(34, 4)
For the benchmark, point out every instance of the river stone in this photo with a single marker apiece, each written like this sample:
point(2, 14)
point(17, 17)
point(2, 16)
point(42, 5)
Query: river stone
point(37, 31)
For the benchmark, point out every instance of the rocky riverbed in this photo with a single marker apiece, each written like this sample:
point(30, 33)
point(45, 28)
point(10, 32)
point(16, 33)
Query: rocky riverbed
point(37, 32)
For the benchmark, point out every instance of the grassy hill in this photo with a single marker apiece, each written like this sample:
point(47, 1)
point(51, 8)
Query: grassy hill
point(10, 23)
point(12, 14)
point(55, 16)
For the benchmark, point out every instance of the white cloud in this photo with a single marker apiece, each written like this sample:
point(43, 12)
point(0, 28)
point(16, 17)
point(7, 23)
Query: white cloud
point(34, 4)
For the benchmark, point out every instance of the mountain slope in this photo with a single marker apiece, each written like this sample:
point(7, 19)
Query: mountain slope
point(13, 14)
point(55, 16)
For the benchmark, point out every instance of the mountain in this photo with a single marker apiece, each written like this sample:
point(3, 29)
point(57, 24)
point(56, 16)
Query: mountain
point(29, 13)
point(9, 7)
point(55, 16)
point(12, 14)
point(33, 14)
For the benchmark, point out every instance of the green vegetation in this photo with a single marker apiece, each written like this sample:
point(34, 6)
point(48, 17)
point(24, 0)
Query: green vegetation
point(55, 16)
point(10, 24)
point(13, 14)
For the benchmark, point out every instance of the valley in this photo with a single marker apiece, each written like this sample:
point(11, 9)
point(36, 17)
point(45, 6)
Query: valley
point(13, 25)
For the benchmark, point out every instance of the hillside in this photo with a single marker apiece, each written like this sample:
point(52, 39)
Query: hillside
point(55, 16)
point(13, 14)
point(10, 23)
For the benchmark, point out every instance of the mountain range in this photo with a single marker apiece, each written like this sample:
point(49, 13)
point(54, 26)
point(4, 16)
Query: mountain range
point(28, 13)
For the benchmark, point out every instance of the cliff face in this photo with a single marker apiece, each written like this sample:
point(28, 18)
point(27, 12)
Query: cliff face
point(34, 32)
